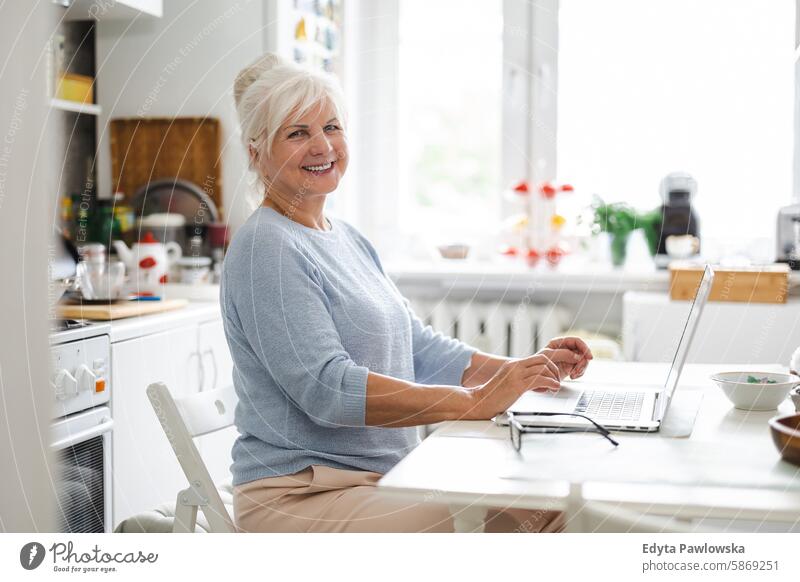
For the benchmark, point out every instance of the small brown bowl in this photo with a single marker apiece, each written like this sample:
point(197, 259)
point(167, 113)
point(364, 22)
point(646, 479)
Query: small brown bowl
point(786, 436)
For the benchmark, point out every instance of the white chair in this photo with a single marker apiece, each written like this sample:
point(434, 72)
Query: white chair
point(183, 419)
point(585, 516)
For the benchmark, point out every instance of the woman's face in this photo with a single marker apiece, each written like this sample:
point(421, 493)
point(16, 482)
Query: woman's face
point(309, 155)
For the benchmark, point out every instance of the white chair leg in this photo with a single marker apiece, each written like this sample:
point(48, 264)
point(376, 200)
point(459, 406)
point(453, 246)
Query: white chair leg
point(470, 519)
point(185, 512)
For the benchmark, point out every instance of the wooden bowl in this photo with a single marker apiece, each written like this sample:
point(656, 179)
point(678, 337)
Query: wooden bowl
point(786, 436)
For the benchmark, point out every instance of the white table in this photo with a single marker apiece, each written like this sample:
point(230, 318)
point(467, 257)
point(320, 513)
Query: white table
point(728, 468)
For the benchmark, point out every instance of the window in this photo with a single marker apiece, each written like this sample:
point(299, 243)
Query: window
point(648, 88)
point(449, 117)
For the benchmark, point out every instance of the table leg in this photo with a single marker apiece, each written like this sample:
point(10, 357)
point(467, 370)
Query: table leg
point(468, 519)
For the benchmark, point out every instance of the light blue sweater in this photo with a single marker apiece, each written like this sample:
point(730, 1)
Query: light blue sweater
point(307, 315)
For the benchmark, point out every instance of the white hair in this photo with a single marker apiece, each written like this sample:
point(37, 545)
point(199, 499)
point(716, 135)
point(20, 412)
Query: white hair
point(271, 92)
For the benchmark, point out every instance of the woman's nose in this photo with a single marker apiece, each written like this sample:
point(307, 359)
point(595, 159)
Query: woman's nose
point(320, 144)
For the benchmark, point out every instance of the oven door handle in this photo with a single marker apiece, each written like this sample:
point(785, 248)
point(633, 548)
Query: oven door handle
point(104, 426)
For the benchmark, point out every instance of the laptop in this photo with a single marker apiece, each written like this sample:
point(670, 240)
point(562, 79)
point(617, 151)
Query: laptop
point(634, 408)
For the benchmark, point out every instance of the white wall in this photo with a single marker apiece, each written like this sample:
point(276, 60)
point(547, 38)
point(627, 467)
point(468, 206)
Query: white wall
point(182, 64)
point(26, 178)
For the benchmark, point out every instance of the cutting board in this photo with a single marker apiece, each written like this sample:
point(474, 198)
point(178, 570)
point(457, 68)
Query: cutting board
point(119, 310)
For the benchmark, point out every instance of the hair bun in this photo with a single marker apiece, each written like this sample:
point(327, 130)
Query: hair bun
point(252, 72)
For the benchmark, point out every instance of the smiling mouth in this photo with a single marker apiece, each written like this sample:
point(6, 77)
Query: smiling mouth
point(321, 169)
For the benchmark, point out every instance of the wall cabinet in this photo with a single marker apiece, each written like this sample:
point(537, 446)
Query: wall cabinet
point(188, 358)
point(112, 9)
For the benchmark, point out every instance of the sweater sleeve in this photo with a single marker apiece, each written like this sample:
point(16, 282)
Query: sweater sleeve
point(286, 317)
point(438, 358)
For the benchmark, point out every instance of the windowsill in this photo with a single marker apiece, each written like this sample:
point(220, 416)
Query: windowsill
point(572, 274)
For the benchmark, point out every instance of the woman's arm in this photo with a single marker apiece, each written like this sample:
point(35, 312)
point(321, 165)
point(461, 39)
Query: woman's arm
point(481, 368)
point(391, 402)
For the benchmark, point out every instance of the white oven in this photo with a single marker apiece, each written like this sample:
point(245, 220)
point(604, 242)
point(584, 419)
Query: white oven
point(81, 430)
point(81, 446)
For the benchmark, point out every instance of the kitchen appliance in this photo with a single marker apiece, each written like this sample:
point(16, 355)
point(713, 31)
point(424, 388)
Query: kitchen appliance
point(678, 190)
point(148, 263)
point(165, 226)
point(788, 236)
point(81, 431)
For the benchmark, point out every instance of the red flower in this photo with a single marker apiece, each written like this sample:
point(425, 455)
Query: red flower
point(521, 188)
point(554, 255)
point(547, 190)
point(532, 256)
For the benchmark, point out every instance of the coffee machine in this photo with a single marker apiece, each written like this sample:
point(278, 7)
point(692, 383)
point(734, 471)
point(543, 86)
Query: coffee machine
point(788, 236)
point(678, 190)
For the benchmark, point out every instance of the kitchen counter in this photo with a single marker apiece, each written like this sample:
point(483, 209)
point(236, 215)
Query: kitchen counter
point(133, 327)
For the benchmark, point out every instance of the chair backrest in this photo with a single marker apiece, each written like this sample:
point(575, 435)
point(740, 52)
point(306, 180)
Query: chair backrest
point(183, 419)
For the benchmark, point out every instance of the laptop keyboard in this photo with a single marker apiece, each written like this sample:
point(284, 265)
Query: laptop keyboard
point(614, 405)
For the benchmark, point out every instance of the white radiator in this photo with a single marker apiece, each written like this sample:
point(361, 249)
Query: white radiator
point(510, 329)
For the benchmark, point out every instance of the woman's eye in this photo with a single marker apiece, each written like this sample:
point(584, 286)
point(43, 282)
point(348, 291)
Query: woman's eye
point(297, 133)
point(332, 127)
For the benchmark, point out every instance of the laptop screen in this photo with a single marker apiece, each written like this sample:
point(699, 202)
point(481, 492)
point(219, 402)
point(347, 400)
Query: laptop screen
point(686, 339)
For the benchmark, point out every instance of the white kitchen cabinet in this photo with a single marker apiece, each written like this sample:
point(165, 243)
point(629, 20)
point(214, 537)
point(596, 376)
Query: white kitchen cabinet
point(190, 356)
point(217, 372)
point(146, 472)
point(112, 9)
point(728, 332)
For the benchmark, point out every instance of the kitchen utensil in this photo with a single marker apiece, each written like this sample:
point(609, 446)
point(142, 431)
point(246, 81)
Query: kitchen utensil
point(148, 262)
point(682, 246)
point(786, 436)
point(755, 390)
point(101, 280)
point(195, 270)
point(173, 195)
point(454, 251)
point(112, 311)
point(795, 396)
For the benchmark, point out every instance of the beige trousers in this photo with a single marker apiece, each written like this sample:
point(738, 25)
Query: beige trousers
point(323, 499)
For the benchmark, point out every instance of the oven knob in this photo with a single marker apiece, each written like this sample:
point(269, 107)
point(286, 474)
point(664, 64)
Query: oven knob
point(85, 378)
point(66, 385)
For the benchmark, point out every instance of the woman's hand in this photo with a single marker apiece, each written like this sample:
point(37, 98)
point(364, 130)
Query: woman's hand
point(541, 371)
point(578, 346)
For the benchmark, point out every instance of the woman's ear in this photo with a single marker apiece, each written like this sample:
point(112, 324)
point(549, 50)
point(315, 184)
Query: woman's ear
point(253, 154)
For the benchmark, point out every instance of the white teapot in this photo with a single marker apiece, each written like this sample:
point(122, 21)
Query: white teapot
point(148, 262)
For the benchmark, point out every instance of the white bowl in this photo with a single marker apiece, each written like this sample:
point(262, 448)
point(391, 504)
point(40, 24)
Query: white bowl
point(748, 395)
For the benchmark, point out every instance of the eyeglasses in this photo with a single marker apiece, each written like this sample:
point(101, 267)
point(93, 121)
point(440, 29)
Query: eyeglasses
point(516, 429)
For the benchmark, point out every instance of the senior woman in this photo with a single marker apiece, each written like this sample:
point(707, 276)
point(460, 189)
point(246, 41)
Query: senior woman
point(332, 367)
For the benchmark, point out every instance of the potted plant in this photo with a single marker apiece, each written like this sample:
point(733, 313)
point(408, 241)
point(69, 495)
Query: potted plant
point(619, 220)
